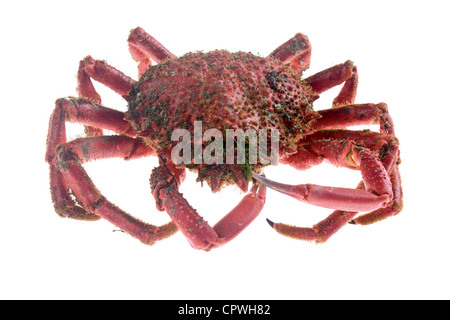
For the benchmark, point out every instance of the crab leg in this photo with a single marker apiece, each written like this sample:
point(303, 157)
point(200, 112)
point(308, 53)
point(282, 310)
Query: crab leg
point(378, 186)
point(87, 149)
point(320, 232)
point(68, 160)
point(386, 146)
point(352, 115)
point(343, 117)
point(81, 111)
point(329, 197)
point(199, 233)
point(303, 159)
point(241, 216)
point(347, 94)
point(334, 145)
point(389, 211)
point(323, 230)
point(334, 76)
point(384, 142)
point(296, 51)
point(337, 151)
point(105, 74)
point(331, 77)
point(144, 48)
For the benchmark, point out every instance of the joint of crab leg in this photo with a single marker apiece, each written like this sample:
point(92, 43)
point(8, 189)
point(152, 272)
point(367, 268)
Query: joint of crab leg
point(296, 51)
point(329, 197)
point(241, 216)
point(142, 44)
point(375, 177)
point(109, 76)
point(347, 94)
point(320, 232)
point(330, 77)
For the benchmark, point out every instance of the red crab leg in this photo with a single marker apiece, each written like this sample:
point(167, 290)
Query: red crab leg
point(329, 197)
point(303, 159)
point(375, 178)
point(350, 115)
point(320, 232)
point(105, 74)
point(86, 90)
point(388, 148)
point(84, 112)
point(76, 110)
point(336, 151)
point(371, 140)
point(343, 117)
point(331, 77)
point(85, 87)
point(68, 160)
point(144, 48)
point(323, 230)
point(334, 76)
point(241, 216)
point(198, 232)
point(389, 211)
point(358, 114)
point(334, 146)
point(89, 149)
point(296, 51)
point(347, 94)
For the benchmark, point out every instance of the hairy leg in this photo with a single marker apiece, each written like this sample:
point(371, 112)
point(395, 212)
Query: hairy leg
point(296, 52)
point(331, 77)
point(84, 112)
point(145, 49)
point(353, 115)
point(105, 74)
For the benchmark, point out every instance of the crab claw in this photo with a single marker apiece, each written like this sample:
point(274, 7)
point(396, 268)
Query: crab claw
point(329, 197)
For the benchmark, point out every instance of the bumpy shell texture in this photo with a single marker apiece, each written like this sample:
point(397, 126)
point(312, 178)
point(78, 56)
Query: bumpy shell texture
point(224, 90)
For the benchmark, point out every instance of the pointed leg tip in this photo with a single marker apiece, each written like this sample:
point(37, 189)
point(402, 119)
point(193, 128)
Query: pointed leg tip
point(352, 222)
point(261, 178)
point(270, 222)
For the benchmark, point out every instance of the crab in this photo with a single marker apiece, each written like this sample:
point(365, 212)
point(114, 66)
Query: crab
point(224, 90)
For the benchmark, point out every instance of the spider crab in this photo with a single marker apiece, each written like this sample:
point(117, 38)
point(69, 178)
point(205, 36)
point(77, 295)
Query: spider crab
point(224, 90)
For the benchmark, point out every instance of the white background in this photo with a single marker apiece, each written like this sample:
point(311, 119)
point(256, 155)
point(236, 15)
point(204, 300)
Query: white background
point(402, 53)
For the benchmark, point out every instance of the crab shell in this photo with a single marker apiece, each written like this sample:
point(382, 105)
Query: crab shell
point(224, 90)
